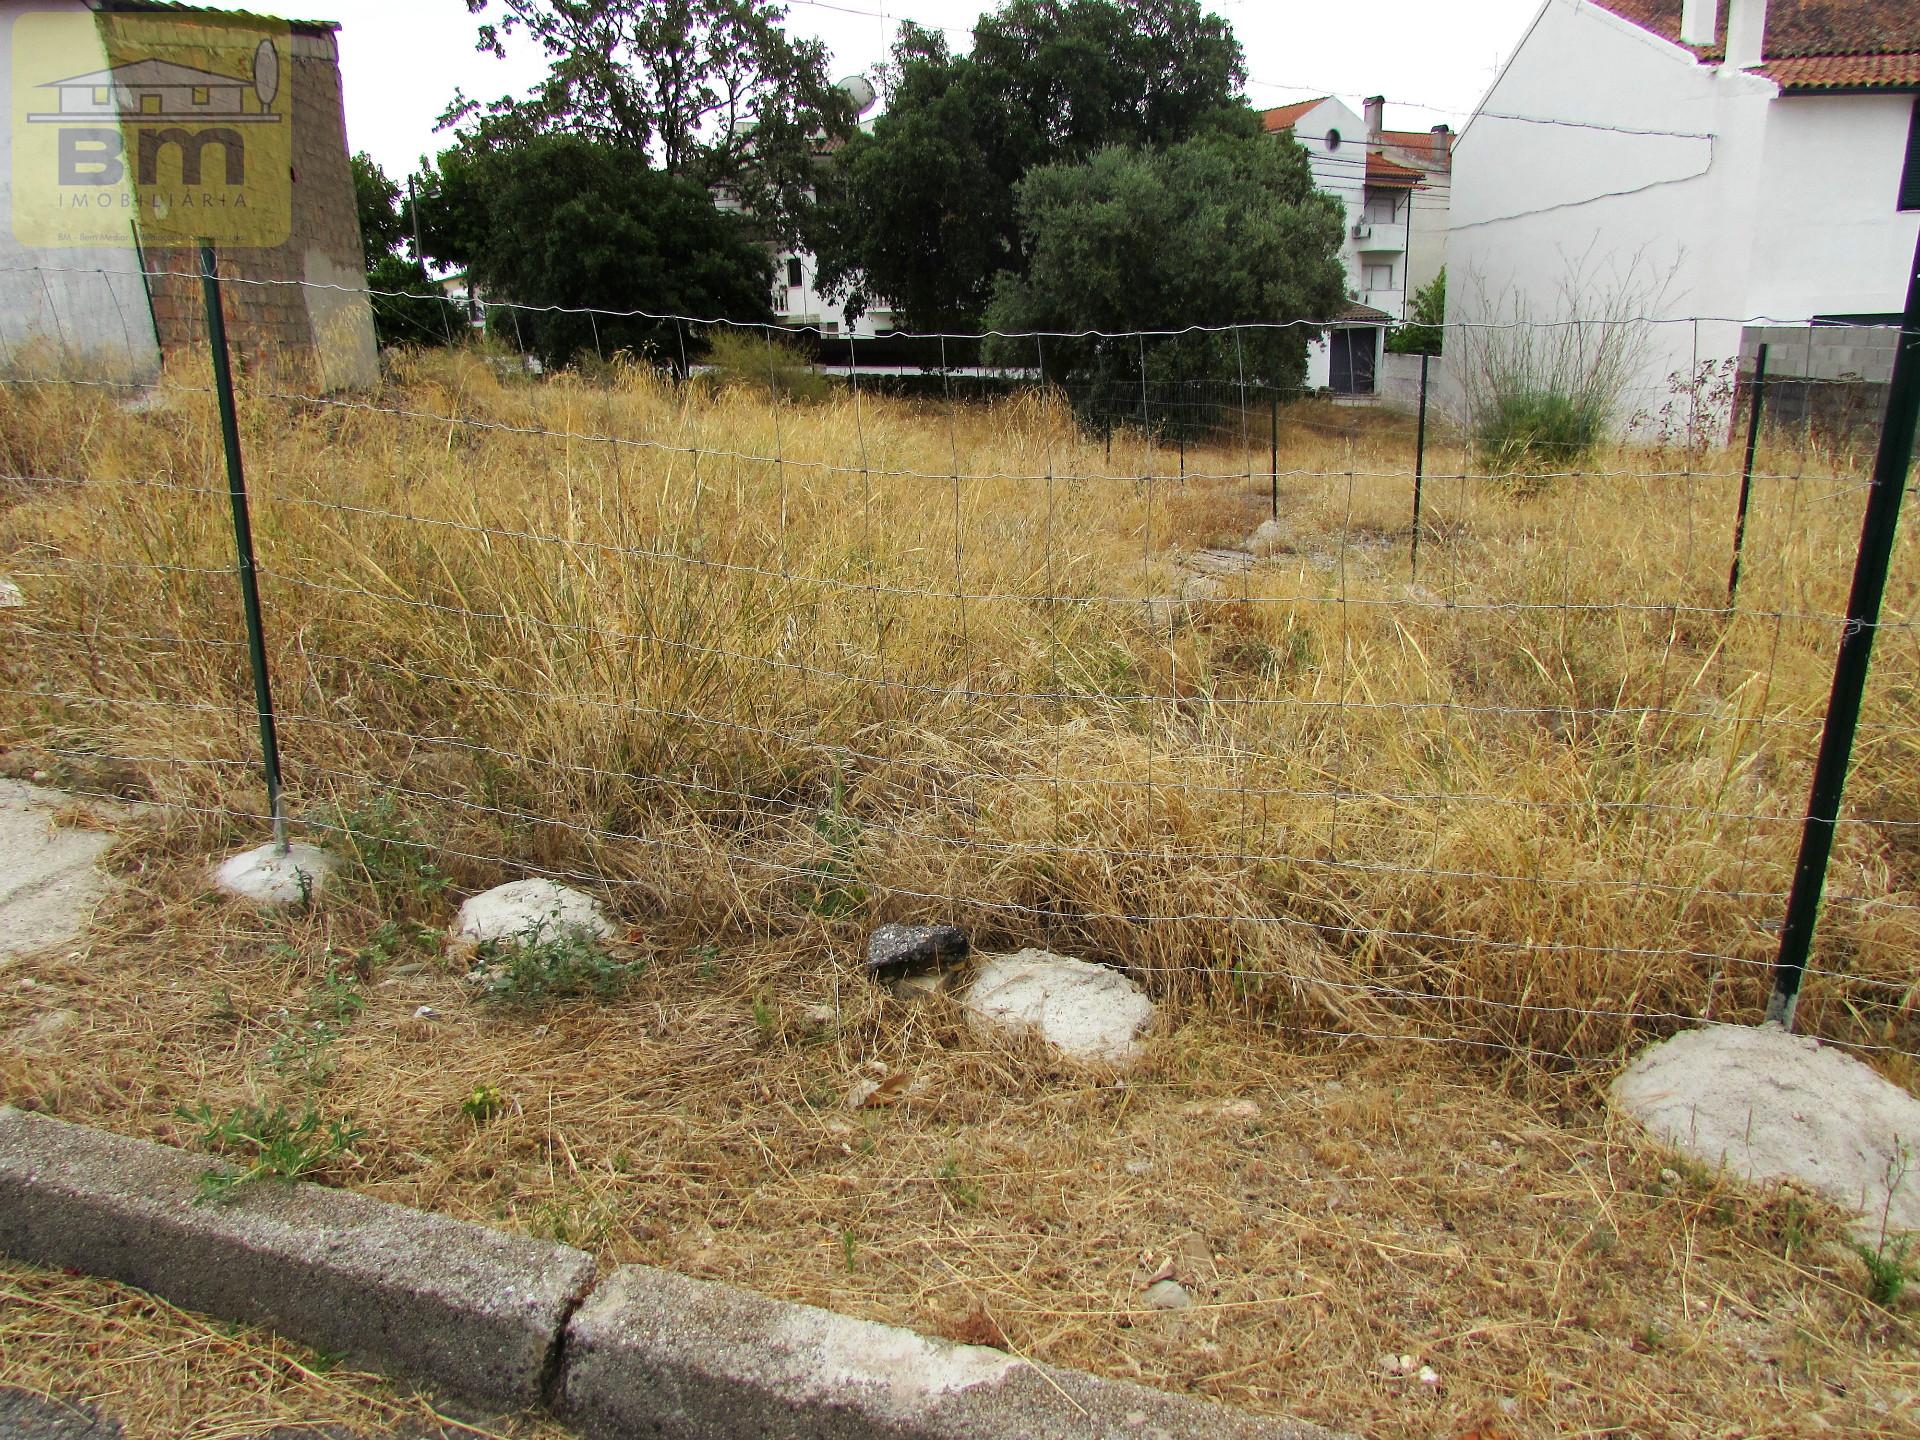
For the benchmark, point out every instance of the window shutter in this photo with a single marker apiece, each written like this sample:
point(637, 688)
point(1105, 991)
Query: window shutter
point(1910, 177)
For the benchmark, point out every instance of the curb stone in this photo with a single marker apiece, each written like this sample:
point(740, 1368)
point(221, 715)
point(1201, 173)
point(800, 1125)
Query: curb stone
point(506, 1319)
point(652, 1353)
point(474, 1310)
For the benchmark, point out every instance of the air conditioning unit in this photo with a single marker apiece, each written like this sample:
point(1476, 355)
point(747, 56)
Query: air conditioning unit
point(1363, 231)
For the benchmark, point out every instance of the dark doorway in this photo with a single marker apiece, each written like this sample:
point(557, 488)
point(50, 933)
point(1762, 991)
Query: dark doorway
point(1353, 362)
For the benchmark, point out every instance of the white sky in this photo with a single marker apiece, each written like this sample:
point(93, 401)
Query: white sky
point(403, 59)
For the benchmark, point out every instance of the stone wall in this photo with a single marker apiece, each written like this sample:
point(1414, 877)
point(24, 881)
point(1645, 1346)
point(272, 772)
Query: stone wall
point(311, 316)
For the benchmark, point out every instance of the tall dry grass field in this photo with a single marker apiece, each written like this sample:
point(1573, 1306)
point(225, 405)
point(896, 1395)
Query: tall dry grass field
point(781, 665)
point(763, 677)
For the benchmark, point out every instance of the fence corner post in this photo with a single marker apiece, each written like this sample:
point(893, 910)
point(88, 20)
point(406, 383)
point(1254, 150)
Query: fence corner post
point(1877, 529)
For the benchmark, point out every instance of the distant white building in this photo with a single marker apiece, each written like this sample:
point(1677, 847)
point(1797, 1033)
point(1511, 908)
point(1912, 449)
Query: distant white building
point(1392, 187)
point(1733, 162)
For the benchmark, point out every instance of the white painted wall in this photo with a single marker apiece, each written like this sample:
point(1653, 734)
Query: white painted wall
point(1827, 238)
point(1758, 206)
point(89, 301)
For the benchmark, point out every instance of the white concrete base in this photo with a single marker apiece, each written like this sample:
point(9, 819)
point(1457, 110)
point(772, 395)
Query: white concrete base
point(50, 878)
point(270, 876)
point(1086, 1011)
point(1771, 1106)
point(527, 908)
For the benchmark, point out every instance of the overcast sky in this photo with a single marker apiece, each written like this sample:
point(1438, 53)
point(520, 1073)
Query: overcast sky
point(403, 59)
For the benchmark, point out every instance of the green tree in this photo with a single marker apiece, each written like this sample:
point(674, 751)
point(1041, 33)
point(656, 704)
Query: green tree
point(711, 89)
point(921, 214)
point(1424, 334)
point(409, 308)
point(566, 222)
point(1222, 230)
point(378, 201)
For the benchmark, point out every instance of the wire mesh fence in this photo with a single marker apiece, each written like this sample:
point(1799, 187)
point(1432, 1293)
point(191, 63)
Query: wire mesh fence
point(1129, 664)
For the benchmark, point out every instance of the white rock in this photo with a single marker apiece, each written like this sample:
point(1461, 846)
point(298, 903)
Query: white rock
point(1771, 1106)
point(1087, 1011)
point(10, 596)
point(1268, 539)
point(272, 876)
point(525, 909)
point(1168, 1295)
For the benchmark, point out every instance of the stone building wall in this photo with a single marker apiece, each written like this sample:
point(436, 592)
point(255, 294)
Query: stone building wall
point(312, 316)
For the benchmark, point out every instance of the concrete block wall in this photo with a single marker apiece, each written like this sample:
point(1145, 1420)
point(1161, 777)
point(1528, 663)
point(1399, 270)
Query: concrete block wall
point(1828, 382)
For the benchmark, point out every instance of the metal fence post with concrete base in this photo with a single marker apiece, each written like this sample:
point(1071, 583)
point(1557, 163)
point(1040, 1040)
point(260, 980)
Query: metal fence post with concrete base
point(1877, 531)
point(278, 873)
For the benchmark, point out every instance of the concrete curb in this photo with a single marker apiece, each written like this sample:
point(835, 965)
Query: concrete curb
point(513, 1321)
point(472, 1309)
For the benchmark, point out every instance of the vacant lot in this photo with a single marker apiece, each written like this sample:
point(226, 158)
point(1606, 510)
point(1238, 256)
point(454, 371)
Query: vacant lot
point(1411, 866)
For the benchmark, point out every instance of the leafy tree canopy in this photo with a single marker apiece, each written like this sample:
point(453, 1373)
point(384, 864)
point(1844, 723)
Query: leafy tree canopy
point(1423, 336)
point(710, 89)
point(409, 308)
point(920, 213)
point(378, 200)
point(558, 220)
point(1216, 231)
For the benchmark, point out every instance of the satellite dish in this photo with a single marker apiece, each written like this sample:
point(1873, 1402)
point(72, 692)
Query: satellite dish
point(266, 74)
point(860, 91)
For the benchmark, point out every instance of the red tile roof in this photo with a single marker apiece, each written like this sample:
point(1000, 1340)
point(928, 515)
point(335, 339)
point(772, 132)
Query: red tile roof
point(1384, 172)
point(1283, 117)
point(1811, 44)
point(1354, 312)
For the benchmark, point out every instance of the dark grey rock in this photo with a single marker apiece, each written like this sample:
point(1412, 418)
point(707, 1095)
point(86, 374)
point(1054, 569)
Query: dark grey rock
point(895, 949)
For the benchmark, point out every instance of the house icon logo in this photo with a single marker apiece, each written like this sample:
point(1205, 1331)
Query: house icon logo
point(154, 91)
point(180, 126)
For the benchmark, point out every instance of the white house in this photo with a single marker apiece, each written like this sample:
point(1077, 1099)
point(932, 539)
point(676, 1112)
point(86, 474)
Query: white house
point(1708, 164)
point(1387, 222)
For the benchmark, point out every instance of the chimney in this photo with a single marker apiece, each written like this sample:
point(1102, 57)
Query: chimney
point(1442, 144)
point(1374, 108)
point(1700, 22)
point(1746, 33)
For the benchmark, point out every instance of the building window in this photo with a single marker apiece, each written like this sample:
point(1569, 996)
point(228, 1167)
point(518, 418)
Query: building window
point(1380, 277)
point(100, 95)
point(202, 95)
point(1333, 141)
point(1910, 177)
point(150, 104)
point(793, 272)
point(1383, 209)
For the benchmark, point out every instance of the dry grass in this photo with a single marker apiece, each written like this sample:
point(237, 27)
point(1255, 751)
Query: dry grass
point(163, 1373)
point(1504, 810)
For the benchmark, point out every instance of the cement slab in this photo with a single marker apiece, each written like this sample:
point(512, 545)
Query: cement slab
point(50, 879)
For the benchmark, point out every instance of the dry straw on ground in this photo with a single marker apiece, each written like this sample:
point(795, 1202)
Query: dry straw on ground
point(1494, 821)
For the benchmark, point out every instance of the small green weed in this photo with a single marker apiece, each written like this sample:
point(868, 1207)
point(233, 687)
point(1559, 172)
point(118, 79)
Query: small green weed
point(390, 852)
point(545, 965)
point(304, 1049)
point(765, 1018)
point(1888, 1260)
point(482, 1103)
point(964, 1192)
point(1889, 1266)
point(836, 892)
point(274, 1144)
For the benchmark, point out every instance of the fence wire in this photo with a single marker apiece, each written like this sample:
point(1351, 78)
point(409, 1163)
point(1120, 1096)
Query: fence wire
point(1130, 667)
